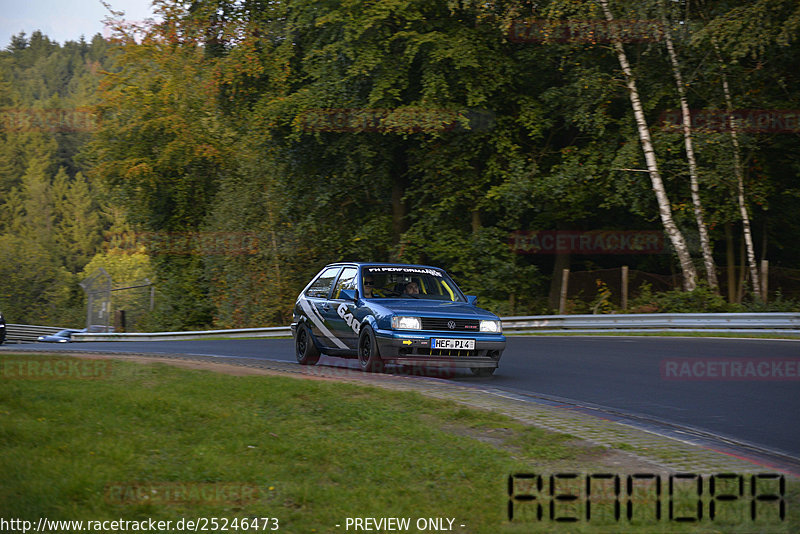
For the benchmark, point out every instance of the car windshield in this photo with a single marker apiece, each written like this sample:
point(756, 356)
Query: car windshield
point(387, 281)
point(63, 333)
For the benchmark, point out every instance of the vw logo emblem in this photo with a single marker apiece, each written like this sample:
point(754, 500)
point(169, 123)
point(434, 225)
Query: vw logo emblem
point(451, 325)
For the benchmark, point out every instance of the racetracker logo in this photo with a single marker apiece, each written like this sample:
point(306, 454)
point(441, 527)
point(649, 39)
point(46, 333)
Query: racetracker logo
point(731, 369)
point(47, 120)
point(592, 242)
point(186, 243)
point(746, 120)
point(407, 120)
point(585, 31)
point(428, 371)
point(48, 368)
point(121, 31)
point(218, 493)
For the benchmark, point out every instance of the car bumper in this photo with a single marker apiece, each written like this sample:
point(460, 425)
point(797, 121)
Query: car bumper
point(415, 350)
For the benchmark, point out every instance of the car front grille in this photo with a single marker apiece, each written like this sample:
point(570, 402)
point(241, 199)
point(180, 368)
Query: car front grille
point(450, 325)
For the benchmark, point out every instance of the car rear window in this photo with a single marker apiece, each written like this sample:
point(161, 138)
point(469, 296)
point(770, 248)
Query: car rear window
point(321, 286)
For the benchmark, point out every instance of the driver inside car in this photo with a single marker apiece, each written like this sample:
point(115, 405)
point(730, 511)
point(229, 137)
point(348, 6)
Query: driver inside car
point(412, 289)
point(369, 288)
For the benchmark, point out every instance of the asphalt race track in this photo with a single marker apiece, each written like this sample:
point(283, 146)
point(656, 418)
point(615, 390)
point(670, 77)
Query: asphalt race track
point(624, 376)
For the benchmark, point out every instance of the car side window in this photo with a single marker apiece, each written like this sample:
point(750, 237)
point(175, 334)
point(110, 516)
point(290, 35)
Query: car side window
point(321, 287)
point(346, 281)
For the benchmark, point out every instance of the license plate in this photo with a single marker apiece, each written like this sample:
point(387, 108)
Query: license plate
point(462, 344)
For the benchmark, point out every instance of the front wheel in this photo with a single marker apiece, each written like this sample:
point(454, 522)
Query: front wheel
point(305, 350)
point(483, 371)
point(369, 357)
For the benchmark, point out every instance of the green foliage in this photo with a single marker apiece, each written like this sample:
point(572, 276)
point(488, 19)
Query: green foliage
point(775, 303)
point(35, 288)
point(602, 302)
point(223, 119)
point(50, 226)
point(701, 300)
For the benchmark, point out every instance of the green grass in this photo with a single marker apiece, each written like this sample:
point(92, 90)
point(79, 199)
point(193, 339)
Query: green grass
point(317, 452)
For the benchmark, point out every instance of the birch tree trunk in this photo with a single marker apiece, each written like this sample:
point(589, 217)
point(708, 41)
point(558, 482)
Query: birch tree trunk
point(664, 208)
point(705, 242)
point(737, 169)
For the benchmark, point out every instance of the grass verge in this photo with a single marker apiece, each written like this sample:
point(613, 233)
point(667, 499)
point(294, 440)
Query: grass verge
point(157, 442)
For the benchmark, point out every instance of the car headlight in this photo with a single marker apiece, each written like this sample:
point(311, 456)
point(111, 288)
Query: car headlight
point(406, 323)
point(491, 326)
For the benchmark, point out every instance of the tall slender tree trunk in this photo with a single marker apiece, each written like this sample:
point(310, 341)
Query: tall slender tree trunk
point(737, 169)
point(664, 208)
point(705, 242)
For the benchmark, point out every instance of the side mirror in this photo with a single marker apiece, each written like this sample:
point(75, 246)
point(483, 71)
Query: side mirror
point(349, 294)
point(472, 299)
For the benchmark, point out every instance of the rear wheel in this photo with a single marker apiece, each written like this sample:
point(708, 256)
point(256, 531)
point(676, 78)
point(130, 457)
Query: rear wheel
point(369, 357)
point(304, 348)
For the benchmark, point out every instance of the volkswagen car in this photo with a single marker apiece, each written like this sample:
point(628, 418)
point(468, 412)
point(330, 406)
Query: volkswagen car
point(382, 313)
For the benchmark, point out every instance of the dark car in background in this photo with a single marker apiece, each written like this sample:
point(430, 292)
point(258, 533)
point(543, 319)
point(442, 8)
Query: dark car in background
point(411, 315)
point(2, 328)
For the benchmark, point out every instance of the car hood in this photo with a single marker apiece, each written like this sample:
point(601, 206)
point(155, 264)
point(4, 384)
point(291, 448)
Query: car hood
point(432, 308)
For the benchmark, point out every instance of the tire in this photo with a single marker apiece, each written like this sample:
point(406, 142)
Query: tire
point(304, 349)
point(369, 357)
point(483, 371)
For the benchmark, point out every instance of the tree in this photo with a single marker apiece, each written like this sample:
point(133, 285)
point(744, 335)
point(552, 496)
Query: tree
point(750, 30)
point(161, 146)
point(705, 243)
point(664, 207)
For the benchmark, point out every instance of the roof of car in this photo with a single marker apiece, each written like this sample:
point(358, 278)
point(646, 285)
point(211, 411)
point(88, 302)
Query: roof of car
point(382, 263)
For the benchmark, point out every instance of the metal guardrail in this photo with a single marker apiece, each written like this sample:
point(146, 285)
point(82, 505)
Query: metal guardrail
point(26, 332)
point(272, 331)
point(784, 323)
point(649, 322)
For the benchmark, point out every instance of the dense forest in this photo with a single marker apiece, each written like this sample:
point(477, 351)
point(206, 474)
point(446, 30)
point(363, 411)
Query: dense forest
point(229, 150)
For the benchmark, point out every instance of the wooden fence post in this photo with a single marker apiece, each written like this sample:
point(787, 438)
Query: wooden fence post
point(562, 301)
point(624, 288)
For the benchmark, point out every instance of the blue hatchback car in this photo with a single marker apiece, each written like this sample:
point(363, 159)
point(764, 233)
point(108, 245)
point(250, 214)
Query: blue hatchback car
point(412, 315)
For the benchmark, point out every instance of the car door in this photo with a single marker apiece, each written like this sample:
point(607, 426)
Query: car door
point(316, 307)
point(341, 314)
